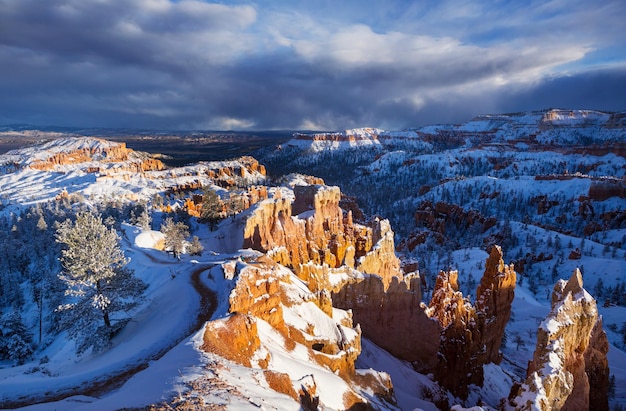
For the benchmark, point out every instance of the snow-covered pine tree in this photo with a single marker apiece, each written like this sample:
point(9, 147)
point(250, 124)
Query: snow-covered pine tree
point(212, 208)
point(175, 234)
point(195, 248)
point(144, 220)
point(15, 340)
point(95, 275)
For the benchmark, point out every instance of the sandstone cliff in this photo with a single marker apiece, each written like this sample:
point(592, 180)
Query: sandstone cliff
point(270, 306)
point(471, 335)
point(93, 155)
point(313, 228)
point(567, 359)
point(453, 339)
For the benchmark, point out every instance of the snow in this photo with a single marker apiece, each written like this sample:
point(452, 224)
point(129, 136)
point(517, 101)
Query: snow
point(25, 186)
point(44, 151)
point(161, 336)
point(406, 381)
point(159, 323)
point(149, 239)
point(349, 139)
point(298, 365)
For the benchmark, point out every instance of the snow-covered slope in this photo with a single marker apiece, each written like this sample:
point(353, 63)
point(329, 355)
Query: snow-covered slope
point(101, 170)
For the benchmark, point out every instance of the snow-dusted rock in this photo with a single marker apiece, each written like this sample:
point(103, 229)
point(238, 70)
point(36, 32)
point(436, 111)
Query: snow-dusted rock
point(556, 376)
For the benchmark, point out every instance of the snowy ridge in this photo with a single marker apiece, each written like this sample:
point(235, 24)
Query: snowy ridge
point(28, 155)
point(100, 177)
point(348, 139)
point(546, 126)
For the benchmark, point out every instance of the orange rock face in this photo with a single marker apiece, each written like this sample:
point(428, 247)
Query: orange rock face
point(597, 369)
point(263, 293)
point(457, 365)
point(235, 339)
point(494, 297)
point(105, 153)
point(452, 338)
point(313, 228)
point(394, 318)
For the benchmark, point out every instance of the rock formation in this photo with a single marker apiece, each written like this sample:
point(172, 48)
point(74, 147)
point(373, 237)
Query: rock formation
point(439, 216)
point(87, 150)
point(357, 263)
point(227, 172)
point(313, 228)
point(597, 369)
point(471, 335)
point(265, 294)
point(457, 363)
point(494, 297)
point(394, 319)
point(570, 355)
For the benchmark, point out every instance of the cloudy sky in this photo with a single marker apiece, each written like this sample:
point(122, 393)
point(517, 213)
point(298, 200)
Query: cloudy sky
point(304, 64)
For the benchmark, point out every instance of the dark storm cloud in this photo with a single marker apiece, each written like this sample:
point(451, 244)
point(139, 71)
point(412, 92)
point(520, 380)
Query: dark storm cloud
point(193, 64)
point(601, 89)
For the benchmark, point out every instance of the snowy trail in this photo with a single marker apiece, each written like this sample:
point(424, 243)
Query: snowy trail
point(113, 379)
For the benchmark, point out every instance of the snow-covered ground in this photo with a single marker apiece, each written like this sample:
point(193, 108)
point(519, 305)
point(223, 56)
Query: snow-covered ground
point(166, 318)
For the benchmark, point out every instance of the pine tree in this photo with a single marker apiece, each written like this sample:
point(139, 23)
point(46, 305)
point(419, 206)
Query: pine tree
point(95, 275)
point(518, 341)
point(144, 220)
point(41, 224)
point(235, 204)
point(14, 339)
point(175, 234)
point(211, 208)
point(598, 289)
point(195, 248)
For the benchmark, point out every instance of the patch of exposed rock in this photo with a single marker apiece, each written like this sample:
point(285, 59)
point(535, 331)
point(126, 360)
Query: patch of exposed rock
point(440, 216)
point(570, 356)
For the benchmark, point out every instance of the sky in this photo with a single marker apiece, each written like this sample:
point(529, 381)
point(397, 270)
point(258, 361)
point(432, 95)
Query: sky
point(304, 64)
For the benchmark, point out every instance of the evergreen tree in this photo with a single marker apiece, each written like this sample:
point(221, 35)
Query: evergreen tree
point(144, 220)
point(41, 224)
point(211, 208)
point(598, 289)
point(235, 204)
point(95, 276)
point(14, 338)
point(611, 392)
point(195, 248)
point(175, 234)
